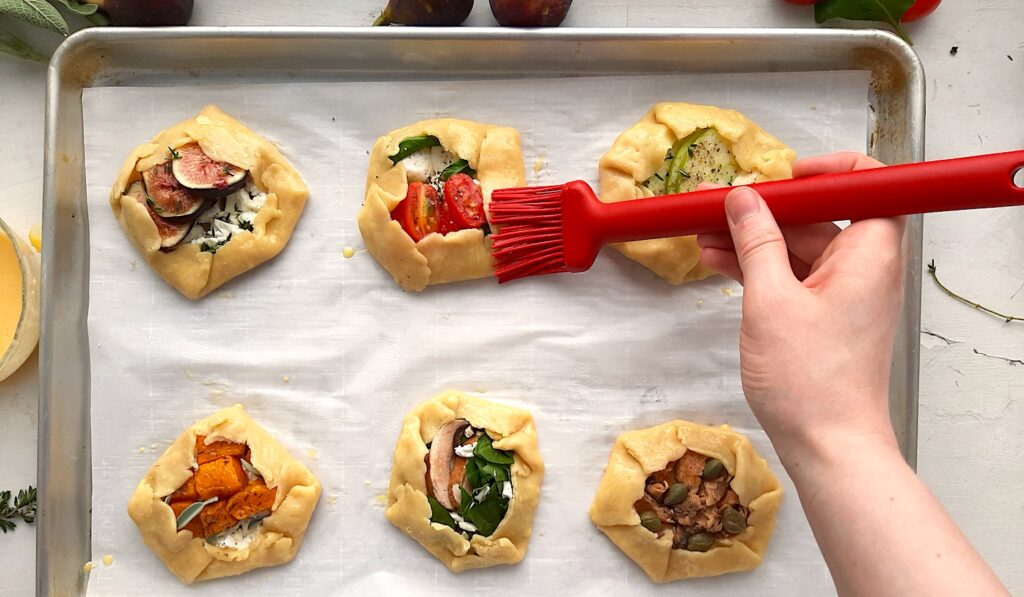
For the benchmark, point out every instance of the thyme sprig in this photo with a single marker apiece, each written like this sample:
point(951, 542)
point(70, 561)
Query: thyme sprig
point(932, 271)
point(24, 508)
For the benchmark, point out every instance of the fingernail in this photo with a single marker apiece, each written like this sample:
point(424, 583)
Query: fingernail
point(741, 203)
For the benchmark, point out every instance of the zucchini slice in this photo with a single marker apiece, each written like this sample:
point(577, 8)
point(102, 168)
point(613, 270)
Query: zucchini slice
point(703, 156)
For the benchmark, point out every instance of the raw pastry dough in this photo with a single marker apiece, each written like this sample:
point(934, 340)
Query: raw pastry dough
point(280, 535)
point(409, 510)
point(637, 454)
point(493, 151)
point(638, 153)
point(193, 272)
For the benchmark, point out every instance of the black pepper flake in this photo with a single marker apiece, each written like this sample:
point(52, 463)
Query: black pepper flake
point(954, 50)
point(1010, 58)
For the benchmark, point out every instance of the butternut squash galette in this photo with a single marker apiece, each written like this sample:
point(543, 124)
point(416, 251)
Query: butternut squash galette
point(224, 498)
point(424, 218)
point(466, 480)
point(684, 500)
point(207, 200)
point(675, 147)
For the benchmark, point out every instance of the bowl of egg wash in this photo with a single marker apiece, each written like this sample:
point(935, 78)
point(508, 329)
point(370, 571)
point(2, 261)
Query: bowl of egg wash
point(19, 301)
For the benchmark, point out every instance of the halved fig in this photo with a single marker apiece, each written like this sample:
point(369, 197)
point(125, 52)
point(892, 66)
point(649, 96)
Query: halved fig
point(169, 198)
point(442, 457)
point(199, 172)
point(172, 231)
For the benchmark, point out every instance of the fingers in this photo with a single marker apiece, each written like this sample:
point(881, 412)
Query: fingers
point(722, 261)
point(844, 161)
point(808, 242)
point(760, 246)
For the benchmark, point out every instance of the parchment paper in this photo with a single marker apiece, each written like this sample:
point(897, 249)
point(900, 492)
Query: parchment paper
point(328, 353)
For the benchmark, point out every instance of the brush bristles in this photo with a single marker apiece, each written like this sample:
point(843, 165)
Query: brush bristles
point(529, 238)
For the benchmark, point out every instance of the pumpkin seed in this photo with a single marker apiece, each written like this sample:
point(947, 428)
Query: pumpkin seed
point(733, 521)
point(675, 494)
point(700, 542)
point(650, 521)
point(713, 469)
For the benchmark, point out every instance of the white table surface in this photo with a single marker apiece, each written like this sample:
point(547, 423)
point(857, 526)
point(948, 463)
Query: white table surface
point(971, 436)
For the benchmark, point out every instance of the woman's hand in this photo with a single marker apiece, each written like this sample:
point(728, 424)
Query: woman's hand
point(820, 308)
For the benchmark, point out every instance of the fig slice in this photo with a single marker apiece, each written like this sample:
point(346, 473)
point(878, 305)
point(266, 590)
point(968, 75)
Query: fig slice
point(168, 198)
point(172, 231)
point(204, 175)
point(442, 458)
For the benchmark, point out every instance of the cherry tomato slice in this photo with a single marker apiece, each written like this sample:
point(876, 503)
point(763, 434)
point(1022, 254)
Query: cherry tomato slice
point(418, 212)
point(920, 10)
point(463, 204)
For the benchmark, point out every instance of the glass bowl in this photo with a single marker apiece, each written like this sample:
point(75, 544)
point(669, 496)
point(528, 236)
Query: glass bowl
point(26, 333)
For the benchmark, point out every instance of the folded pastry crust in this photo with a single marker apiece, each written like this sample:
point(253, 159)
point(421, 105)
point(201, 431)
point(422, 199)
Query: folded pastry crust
point(637, 454)
point(408, 508)
point(639, 151)
point(493, 151)
point(193, 272)
point(280, 534)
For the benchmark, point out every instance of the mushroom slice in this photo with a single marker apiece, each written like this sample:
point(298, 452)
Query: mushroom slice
point(171, 231)
point(198, 172)
point(166, 196)
point(442, 458)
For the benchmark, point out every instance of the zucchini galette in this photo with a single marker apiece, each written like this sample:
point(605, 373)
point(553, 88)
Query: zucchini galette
point(466, 480)
point(207, 200)
point(675, 147)
point(684, 500)
point(224, 498)
point(424, 217)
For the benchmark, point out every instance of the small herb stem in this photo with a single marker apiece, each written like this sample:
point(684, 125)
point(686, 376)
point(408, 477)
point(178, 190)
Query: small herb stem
point(932, 271)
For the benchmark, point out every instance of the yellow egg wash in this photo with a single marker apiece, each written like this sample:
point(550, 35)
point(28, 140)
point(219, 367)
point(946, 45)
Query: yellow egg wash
point(10, 292)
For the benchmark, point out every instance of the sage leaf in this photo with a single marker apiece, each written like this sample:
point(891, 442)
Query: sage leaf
point(249, 469)
point(409, 146)
point(35, 12)
point(12, 45)
point(884, 11)
point(191, 512)
point(75, 7)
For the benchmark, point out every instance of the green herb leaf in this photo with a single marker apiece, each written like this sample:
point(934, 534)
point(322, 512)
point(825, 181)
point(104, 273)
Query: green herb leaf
point(246, 466)
point(465, 501)
point(884, 11)
point(191, 512)
point(82, 9)
point(173, 152)
point(457, 167)
point(12, 45)
point(487, 515)
point(410, 145)
point(485, 449)
point(152, 204)
point(35, 12)
point(497, 472)
point(439, 515)
point(24, 508)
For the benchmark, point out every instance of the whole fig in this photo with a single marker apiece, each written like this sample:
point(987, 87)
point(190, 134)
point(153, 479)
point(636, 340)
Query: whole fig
point(425, 12)
point(530, 13)
point(146, 13)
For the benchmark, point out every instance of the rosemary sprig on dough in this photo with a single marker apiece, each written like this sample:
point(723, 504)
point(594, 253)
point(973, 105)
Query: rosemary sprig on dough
point(24, 508)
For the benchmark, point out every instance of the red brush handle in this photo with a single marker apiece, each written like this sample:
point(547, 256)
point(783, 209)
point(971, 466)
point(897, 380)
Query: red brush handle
point(925, 187)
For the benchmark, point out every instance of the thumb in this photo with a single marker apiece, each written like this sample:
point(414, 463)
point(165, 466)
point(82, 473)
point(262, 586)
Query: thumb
point(760, 246)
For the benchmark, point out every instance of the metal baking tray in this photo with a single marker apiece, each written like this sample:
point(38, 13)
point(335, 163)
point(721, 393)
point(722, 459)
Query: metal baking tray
point(111, 57)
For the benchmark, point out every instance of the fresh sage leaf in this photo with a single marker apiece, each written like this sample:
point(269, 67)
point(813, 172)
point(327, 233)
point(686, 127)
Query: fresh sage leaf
point(191, 512)
point(486, 450)
point(408, 146)
point(35, 12)
point(75, 7)
point(12, 45)
point(884, 11)
point(457, 167)
point(439, 515)
point(249, 469)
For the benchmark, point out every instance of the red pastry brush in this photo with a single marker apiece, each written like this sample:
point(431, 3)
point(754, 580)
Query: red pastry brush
point(547, 230)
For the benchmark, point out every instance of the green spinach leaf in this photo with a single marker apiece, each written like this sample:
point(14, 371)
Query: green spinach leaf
point(487, 515)
point(439, 515)
point(486, 450)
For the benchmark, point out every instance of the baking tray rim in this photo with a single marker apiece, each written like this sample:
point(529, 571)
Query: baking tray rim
point(74, 67)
